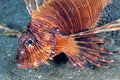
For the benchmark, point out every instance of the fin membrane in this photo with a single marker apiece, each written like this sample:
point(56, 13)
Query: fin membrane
point(90, 51)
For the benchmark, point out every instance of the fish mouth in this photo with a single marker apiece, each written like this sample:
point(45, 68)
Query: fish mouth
point(21, 59)
point(22, 66)
point(25, 60)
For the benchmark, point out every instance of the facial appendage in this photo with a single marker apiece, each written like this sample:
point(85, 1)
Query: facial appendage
point(32, 52)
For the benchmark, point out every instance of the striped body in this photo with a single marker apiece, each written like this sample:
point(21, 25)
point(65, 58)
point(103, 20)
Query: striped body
point(69, 16)
point(51, 31)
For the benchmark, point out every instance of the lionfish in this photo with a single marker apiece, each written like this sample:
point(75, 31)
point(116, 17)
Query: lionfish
point(64, 26)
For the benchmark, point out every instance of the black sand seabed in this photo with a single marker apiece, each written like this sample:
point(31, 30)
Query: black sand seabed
point(14, 14)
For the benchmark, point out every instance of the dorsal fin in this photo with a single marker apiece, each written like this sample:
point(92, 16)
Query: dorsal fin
point(32, 5)
point(100, 18)
point(71, 16)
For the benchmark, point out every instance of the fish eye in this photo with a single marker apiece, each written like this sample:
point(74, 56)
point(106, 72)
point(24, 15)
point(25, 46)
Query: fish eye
point(30, 41)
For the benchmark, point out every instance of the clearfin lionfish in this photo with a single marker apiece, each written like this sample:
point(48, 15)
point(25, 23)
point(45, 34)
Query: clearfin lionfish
point(67, 26)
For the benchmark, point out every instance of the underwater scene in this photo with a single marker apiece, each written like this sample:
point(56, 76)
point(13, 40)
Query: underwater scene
point(59, 39)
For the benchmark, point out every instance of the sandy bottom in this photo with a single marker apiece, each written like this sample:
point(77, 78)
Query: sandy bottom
point(14, 14)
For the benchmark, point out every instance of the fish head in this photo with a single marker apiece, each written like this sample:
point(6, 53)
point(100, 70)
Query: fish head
point(32, 52)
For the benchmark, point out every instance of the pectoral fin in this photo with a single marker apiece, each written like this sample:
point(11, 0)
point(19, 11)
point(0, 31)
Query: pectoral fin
point(83, 50)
